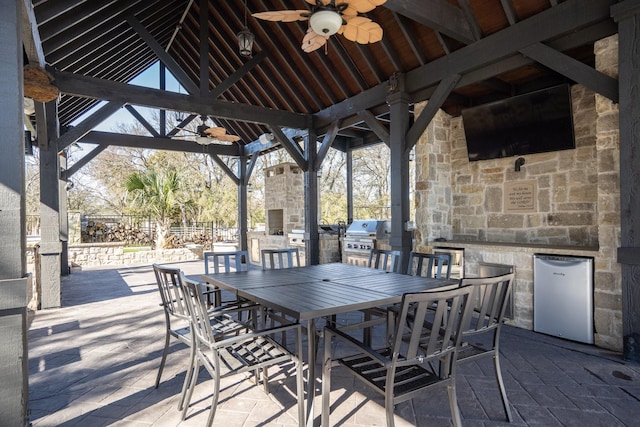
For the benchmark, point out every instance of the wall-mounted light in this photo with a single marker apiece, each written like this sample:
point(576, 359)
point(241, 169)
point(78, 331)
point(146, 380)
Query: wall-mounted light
point(519, 163)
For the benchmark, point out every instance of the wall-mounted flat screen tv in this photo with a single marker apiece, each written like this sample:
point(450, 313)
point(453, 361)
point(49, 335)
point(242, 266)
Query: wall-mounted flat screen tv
point(536, 122)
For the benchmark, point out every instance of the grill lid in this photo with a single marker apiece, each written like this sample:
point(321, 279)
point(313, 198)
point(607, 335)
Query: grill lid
point(377, 228)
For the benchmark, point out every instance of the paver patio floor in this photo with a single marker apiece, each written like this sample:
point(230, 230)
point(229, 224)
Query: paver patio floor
point(93, 362)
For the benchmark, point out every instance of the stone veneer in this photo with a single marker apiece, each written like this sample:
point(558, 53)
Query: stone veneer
point(577, 210)
point(284, 193)
point(101, 254)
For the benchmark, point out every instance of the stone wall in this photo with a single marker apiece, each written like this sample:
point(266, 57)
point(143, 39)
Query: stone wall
point(284, 198)
point(566, 183)
point(576, 209)
point(103, 254)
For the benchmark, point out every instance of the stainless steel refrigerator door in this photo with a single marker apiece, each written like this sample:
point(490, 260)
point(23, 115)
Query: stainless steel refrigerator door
point(563, 297)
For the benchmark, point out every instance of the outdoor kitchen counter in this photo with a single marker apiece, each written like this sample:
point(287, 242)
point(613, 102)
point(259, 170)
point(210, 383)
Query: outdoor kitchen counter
point(518, 255)
point(517, 247)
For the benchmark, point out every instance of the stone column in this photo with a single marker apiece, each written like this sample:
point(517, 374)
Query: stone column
point(607, 280)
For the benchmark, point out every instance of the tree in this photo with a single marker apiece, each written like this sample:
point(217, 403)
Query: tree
point(157, 193)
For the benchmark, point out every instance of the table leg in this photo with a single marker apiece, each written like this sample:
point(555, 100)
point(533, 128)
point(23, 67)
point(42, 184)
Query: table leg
point(311, 370)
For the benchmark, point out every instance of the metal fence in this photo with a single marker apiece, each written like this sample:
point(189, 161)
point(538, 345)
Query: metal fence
point(193, 232)
point(216, 234)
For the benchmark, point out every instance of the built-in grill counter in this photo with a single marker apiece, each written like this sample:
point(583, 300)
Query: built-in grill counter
point(363, 235)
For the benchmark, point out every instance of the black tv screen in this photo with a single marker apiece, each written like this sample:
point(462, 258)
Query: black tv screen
point(536, 122)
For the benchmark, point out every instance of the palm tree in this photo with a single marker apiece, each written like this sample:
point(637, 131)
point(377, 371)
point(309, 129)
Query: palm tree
point(156, 193)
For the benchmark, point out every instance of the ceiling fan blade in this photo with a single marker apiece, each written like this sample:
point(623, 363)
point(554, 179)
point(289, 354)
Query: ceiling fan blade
point(215, 132)
point(227, 138)
point(361, 30)
point(364, 6)
point(283, 15)
point(315, 2)
point(313, 41)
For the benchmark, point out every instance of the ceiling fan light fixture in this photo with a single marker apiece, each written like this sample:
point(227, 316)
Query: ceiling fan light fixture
point(325, 22)
point(245, 42)
point(203, 140)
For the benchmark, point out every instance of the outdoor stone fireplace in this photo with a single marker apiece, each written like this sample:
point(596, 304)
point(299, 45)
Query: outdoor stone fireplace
point(284, 208)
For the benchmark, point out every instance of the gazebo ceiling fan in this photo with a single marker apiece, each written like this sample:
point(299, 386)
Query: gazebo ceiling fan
point(205, 134)
point(328, 17)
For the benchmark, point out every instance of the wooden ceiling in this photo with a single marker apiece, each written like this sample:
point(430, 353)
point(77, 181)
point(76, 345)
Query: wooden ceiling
point(490, 45)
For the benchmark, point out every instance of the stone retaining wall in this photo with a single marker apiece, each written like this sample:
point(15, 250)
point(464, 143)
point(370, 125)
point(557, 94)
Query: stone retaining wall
point(99, 254)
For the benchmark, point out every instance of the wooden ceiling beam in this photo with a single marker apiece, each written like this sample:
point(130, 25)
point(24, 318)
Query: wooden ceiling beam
point(436, 14)
point(292, 148)
point(163, 56)
point(435, 102)
point(378, 128)
point(573, 69)
point(90, 87)
point(148, 142)
point(470, 17)
point(81, 162)
point(84, 127)
point(549, 24)
point(31, 35)
point(238, 74)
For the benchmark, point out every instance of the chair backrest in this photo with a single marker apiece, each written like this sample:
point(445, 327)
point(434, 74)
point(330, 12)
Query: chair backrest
point(226, 262)
point(443, 314)
point(429, 265)
point(489, 302)
point(382, 259)
point(273, 259)
point(196, 303)
point(168, 279)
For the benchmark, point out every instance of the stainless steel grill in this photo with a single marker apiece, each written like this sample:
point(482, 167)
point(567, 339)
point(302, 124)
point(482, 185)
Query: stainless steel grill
point(362, 236)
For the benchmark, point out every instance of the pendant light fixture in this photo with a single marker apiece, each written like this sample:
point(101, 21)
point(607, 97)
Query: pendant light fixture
point(245, 37)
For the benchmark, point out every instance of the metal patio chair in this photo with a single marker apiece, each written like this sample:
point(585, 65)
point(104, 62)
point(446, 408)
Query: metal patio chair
point(379, 259)
point(280, 258)
point(224, 262)
point(246, 352)
point(404, 370)
point(482, 337)
point(429, 265)
point(387, 260)
point(275, 259)
point(176, 318)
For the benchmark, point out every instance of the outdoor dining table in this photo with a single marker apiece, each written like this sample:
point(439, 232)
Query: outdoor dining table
point(313, 292)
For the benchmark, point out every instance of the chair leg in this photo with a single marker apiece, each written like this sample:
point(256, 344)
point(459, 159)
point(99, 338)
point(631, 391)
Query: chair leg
point(192, 385)
point(453, 403)
point(326, 380)
point(389, 406)
point(188, 377)
point(503, 391)
point(214, 400)
point(366, 332)
point(300, 381)
point(164, 358)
